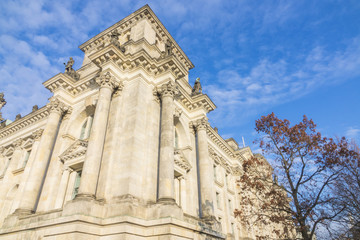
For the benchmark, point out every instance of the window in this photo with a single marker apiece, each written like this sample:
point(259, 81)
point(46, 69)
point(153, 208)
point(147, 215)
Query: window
point(215, 172)
point(226, 179)
point(176, 140)
point(230, 206)
point(76, 185)
point(26, 158)
point(85, 128)
point(218, 200)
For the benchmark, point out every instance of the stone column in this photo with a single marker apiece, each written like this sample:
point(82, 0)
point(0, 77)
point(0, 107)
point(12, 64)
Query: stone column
point(95, 147)
point(205, 170)
point(62, 187)
point(182, 193)
point(44, 150)
point(166, 166)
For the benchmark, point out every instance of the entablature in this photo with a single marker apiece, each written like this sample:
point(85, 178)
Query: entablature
point(25, 121)
point(192, 103)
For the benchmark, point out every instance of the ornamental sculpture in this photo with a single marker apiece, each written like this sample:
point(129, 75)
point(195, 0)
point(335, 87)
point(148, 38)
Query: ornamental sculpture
point(69, 69)
point(2, 103)
point(108, 80)
point(197, 87)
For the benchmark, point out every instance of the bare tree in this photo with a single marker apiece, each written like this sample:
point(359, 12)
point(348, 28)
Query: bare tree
point(307, 166)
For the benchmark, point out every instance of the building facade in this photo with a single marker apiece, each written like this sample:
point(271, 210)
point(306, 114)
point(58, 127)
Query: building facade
point(123, 149)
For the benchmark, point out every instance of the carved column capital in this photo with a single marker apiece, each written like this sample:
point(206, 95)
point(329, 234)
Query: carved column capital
point(199, 124)
point(58, 107)
point(18, 142)
point(107, 80)
point(168, 89)
point(37, 134)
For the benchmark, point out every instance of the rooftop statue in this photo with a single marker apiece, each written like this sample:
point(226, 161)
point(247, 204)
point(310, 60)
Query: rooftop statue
point(69, 69)
point(168, 47)
point(2, 103)
point(197, 87)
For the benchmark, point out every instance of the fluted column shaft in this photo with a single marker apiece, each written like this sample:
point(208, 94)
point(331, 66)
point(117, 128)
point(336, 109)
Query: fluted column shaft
point(166, 166)
point(33, 185)
point(91, 168)
point(205, 170)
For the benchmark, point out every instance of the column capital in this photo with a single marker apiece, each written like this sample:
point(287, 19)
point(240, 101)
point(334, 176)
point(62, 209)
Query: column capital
point(37, 134)
point(168, 89)
point(200, 124)
point(108, 80)
point(57, 106)
point(18, 142)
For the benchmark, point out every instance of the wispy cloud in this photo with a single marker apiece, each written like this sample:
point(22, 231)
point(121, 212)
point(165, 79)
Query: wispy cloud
point(353, 133)
point(269, 83)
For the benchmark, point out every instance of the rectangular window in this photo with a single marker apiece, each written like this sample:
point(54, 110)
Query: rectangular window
point(26, 158)
point(226, 179)
point(230, 206)
point(218, 200)
point(232, 228)
point(215, 172)
point(76, 185)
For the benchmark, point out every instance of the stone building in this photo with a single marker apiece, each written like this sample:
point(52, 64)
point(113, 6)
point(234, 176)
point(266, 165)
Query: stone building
point(123, 149)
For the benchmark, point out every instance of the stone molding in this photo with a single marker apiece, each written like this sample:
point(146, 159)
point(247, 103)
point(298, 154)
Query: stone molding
point(18, 143)
point(36, 135)
point(107, 80)
point(76, 150)
point(68, 84)
point(220, 160)
point(181, 161)
point(192, 103)
point(30, 119)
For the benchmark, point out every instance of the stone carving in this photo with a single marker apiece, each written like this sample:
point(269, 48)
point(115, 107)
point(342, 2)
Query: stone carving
point(107, 80)
point(18, 117)
point(197, 88)
point(181, 161)
point(69, 69)
point(57, 106)
point(168, 89)
point(37, 134)
point(168, 48)
point(35, 108)
point(18, 143)
point(114, 39)
point(177, 114)
point(76, 150)
point(2, 103)
point(201, 124)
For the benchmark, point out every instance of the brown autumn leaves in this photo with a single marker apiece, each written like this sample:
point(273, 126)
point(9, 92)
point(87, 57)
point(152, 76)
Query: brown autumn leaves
point(304, 186)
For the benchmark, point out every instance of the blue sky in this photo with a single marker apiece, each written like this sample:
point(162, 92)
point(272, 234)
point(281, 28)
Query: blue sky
point(253, 57)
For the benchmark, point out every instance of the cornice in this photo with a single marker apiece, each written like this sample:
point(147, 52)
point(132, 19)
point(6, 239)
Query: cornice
point(70, 85)
point(192, 103)
point(220, 142)
point(24, 122)
point(141, 59)
point(126, 24)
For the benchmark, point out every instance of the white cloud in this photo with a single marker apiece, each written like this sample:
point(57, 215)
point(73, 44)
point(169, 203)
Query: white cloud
point(352, 132)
